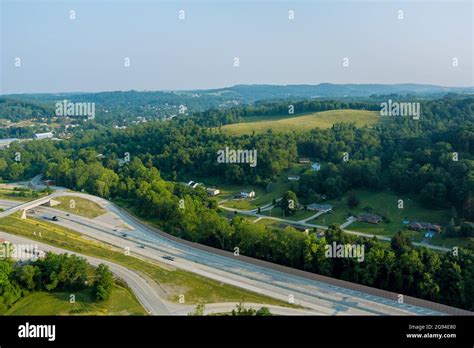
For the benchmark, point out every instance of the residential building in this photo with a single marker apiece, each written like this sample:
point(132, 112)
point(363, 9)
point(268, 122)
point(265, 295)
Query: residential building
point(424, 226)
point(319, 207)
point(212, 191)
point(370, 218)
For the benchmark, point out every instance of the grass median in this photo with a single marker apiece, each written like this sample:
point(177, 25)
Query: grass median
point(173, 282)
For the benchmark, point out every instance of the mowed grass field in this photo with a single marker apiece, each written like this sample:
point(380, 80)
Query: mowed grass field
point(79, 206)
point(285, 124)
point(121, 302)
point(384, 203)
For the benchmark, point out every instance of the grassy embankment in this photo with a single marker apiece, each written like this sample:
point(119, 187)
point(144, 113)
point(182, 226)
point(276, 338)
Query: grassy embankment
point(173, 282)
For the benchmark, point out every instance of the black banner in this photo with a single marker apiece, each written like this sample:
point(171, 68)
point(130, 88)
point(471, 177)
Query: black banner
point(224, 331)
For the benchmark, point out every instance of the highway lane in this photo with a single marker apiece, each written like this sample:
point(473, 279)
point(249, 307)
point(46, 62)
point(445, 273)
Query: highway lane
point(227, 307)
point(95, 226)
point(317, 296)
point(141, 287)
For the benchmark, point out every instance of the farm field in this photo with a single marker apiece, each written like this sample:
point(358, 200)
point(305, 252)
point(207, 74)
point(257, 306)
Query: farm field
point(285, 124)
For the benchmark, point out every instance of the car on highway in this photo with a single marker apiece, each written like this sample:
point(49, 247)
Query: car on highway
point(54, 218)
point(168, 257)
point(141, 246)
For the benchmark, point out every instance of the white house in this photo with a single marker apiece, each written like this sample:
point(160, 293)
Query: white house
point(316, 167)
point(212, 191)
point(250, 194)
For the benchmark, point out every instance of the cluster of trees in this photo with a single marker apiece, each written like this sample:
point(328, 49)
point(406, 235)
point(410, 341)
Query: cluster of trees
point(410, 156)
point(399, 267)
point(431, 157)
point(52, 273)
point(17, 110)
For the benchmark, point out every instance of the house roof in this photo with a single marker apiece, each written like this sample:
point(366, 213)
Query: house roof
point(319, 206)
point(369, 217)
point(424, 225)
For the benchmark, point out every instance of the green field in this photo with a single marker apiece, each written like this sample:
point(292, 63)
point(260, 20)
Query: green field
point(278, 189)
point(82, 207)
point(174, 282)
point(298, 215)
point(285, 124)
point(121, 302)
point(384, 203)
point(23, 196)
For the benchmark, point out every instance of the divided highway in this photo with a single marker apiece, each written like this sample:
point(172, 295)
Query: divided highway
point(140, 286)
point(317, 297)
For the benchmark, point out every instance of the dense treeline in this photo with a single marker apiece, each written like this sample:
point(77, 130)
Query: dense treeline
point(431, 157)
point(408, 155)
point(17, 110)
point(397, 267)
point(52, 273)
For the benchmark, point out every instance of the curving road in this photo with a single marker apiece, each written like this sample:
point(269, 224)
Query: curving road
point(141, 287)
point(316, 297)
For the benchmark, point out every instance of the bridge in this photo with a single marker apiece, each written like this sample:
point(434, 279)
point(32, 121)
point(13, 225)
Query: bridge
point(30, 205)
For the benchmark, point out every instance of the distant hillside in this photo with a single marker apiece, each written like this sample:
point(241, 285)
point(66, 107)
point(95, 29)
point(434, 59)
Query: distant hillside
point(328, 90)
point(127, 105)
point(17, 110)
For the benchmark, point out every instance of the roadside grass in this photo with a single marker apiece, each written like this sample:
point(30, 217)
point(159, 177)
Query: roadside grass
point(242, 204)
point(298, 215)
point(268, 222)
point(21, 196)
point(301, 123)
point(174, 282)
point(82, 206)
point(121, 302)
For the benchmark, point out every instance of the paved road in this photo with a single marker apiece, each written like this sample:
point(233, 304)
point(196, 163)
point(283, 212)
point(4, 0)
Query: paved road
point(143, 289)
point(227, 307)
point(318, 297)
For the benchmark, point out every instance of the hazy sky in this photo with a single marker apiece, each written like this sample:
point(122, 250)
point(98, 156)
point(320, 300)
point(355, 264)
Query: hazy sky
point(59, 54)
